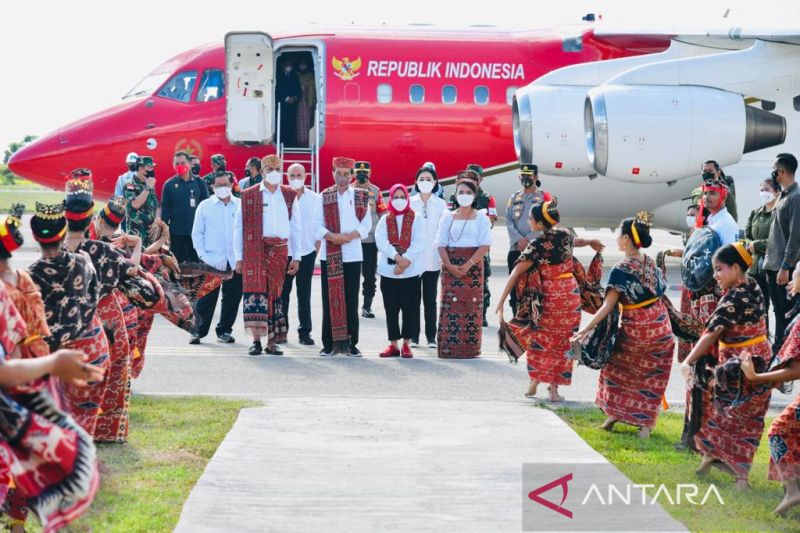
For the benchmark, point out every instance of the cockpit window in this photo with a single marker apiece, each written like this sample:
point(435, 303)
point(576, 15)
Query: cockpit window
point(147, 85)
point(212, 85)
point(180, 87)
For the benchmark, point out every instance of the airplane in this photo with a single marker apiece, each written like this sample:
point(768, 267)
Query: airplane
point(399, 97)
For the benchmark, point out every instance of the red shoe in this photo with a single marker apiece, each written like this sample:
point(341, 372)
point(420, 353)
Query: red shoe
point(390, 351)
point(406, 352)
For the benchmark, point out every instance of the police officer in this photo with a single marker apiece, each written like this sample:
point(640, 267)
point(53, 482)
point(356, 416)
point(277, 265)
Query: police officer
point(123, 179)
point(180, 197)
point(519, 206)
point(142, 208)
point(363, 171)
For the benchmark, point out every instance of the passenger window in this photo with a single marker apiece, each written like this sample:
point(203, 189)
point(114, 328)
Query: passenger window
point(572, 44)
point(510, 94)
point(212, 86)
point(481, 95)
point(449, 94)
point(384, 93)
point(416, 94)
point(180, 86)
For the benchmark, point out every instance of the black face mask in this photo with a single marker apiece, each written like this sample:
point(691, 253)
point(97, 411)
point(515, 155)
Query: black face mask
point(362, 177)
point(774, 176)
point(132, 167)
point(708, 176)
point(526, 181)
point(149, 173)
point(196, 169)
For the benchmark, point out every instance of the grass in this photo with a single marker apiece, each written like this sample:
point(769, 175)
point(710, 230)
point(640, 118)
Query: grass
point(656, 461)
point(144, 483)
point(28, 193)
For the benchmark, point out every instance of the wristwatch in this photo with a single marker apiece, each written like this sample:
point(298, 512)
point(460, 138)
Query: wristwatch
point(785, 266)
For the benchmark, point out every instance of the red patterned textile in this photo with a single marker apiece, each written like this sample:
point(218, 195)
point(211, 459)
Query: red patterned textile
point(784, 433)
point(401, 240)
point(263, 310)
point(112, 422)
point(461, 309)
point(634, 379)
point(83, 403)
point(548, 346)
point(733, 434)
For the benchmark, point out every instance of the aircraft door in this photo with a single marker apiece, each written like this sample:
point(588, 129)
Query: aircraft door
point(250, 78)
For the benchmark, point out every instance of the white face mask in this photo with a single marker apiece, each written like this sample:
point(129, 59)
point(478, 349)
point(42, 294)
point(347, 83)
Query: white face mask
point(465, 200)
point(274, 178)
point(767, 197)
point(399, 203)
point(222, 192)
point(690, 221)
point(425, 186)
point(297, 184)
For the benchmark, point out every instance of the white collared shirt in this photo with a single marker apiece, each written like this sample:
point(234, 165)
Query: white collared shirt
point(348, 222)
point(308, 207)
point(387, 251)
point(274, 222)
point(724, 226)
point(212, 232)
point(430, 213)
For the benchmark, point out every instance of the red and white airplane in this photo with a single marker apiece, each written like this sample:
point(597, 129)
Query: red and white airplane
point(617, 121)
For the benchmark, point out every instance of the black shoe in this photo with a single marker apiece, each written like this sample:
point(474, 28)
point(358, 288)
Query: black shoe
point(367, 313)
point(275, 350)
point(326, 352)
point(255, 349)
point(194, 340)
point(225, 338)
point(306, 340)
point(354, 352)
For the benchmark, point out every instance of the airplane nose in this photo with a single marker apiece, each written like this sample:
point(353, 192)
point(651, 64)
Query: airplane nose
point(39, 161)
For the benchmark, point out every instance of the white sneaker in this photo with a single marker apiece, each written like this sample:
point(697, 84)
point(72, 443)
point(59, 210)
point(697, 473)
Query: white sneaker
point(415, 343)
point(431, 344)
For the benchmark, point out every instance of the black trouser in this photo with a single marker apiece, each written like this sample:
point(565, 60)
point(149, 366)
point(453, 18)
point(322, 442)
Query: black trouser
point(369, 269)
point(401, 295)
point(430, 286)
point(303, 280)
point(182, 248)
point(204, 308)
point(352, 277)
point(763, 284)
point(512, 257)
point(781, 304)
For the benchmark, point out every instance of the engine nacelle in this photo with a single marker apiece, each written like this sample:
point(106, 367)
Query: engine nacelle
point(654, 134)
point(548, 129)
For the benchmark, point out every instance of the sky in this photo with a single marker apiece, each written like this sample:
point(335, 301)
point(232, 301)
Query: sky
point(64, 60)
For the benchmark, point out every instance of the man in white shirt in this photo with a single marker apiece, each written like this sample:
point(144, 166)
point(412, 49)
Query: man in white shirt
point(307, 248)
point(263, 243)
point(723, 224)
point(212, 237)
point(342, 220)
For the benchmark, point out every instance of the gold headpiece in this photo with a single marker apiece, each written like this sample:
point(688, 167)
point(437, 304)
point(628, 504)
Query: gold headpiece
point(644, 217)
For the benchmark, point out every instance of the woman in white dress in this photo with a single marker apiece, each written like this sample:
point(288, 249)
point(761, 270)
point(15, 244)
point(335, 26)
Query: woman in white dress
point(464, 237)
point(399, 237)
point(429, 209)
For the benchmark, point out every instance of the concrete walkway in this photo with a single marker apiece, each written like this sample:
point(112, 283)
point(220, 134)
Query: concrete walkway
point(366, 464)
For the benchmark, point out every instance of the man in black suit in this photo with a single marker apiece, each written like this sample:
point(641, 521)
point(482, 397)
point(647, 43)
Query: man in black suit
point(287, 94)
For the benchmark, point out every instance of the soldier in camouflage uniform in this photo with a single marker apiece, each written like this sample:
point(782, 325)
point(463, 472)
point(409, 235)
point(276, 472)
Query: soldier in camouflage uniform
point(143, 206)
point(487, 203)
point(218, 164)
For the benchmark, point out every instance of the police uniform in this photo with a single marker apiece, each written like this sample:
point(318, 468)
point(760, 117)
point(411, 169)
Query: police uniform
point(517, 225)
point(138, 221)
point(369, 265)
